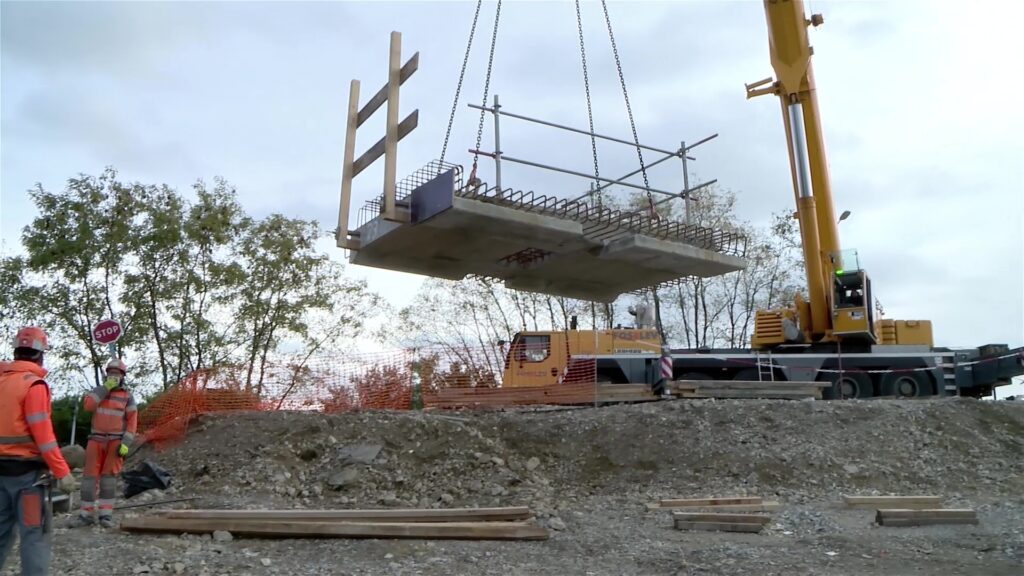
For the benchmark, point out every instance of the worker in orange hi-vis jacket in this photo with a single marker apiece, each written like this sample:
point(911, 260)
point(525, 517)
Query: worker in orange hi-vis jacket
point(114, 421)
point(28, 448)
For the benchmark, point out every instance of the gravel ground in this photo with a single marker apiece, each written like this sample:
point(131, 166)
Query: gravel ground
point(587, 474)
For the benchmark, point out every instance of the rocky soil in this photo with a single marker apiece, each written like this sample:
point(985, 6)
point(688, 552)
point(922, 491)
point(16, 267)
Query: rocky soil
point(587, 474)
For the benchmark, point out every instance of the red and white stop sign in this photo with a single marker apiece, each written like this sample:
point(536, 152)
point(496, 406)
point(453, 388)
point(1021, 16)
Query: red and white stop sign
point(106, 332)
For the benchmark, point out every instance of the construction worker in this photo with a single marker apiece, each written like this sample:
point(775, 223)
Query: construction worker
point(28, 448)
point(114, 421)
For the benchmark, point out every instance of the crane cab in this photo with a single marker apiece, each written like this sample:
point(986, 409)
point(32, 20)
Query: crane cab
point(853, 315)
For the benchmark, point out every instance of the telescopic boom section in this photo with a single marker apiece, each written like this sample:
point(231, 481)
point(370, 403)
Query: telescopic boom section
point(791, 59)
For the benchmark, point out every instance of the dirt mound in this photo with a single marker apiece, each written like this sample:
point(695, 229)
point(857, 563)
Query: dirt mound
point(796, 450)
point(587, 474)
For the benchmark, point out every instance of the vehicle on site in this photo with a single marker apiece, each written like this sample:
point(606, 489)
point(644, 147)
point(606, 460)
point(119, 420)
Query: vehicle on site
point(832, 335)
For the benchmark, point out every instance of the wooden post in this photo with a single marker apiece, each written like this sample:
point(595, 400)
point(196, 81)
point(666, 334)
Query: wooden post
point(341, 234)
point(391, 138)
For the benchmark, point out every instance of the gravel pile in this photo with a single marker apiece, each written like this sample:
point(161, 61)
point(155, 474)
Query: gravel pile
point(587, 474)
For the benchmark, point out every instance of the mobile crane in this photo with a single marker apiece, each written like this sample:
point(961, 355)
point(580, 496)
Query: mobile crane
point(831, 336)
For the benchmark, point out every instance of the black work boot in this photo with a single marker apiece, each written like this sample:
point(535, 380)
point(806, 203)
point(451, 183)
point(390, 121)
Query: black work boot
point(107, 522)
point(81, 521)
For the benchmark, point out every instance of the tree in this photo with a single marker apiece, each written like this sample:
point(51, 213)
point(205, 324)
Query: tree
point(194, 283)
point(282, 280)
point(75, 264)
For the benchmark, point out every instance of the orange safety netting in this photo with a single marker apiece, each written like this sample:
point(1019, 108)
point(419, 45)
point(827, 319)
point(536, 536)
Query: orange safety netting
point(440, 377)
point(379, 381)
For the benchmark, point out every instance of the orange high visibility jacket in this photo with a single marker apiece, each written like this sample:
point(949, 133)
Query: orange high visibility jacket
point(26, 432)
point(115, 414)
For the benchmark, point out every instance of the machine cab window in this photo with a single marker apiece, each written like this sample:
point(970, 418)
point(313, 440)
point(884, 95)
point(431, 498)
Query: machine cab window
point(531, 348)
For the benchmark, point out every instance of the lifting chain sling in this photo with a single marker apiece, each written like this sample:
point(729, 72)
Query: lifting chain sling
point(458, 88)
point(487, 87)
point(629, 111)
point(586, 87)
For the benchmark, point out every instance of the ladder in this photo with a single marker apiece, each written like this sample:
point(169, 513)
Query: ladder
point(765, 371)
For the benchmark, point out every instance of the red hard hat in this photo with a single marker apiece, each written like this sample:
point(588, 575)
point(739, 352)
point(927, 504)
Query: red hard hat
point(31, 337)
point(117, 364)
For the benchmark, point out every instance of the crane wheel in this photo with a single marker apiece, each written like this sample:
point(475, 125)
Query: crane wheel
point(694, 376)
point(747, 375)
point(906, 384)
point(846, 385)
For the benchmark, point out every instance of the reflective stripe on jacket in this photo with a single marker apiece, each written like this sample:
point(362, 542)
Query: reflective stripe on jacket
point(115, 414)
point(26, 432)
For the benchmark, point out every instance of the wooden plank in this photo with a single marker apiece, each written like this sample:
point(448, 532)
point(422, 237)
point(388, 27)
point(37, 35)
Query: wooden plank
point(381, 96)
point(714, 501)
point(766, 507)
point(892, 502)
point(926, 521)
point(716, 517)
point(290, 529)
point(391, 128)
point(389, 515)
point(927, 512)
point(718, 526)
point(741, 384)
point(752, 394)
point(375, 151)
point(341, 234)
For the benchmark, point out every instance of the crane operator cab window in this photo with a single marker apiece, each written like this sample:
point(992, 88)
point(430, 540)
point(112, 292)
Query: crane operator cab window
point(849, 282)
point(849, 291)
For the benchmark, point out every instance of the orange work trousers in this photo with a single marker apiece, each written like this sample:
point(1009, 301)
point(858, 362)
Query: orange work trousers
point(102, 465)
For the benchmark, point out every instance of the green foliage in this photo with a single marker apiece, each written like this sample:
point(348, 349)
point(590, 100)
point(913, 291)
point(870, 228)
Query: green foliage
point(62, 414)
point(195, 283)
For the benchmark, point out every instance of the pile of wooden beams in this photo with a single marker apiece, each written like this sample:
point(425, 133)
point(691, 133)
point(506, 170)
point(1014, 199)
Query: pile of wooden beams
point(875, 502)
point(510, 523)
point(564, 394)
point(911, 510)
point(746, 389)
point(925, 517)
point(718, 514)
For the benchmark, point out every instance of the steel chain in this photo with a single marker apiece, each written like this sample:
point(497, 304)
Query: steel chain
point(586, 87)
point(629, 110)
point(487, 87)
point(458, 88)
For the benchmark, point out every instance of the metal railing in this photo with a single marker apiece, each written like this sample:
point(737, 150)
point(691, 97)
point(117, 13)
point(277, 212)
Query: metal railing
point(375, 206)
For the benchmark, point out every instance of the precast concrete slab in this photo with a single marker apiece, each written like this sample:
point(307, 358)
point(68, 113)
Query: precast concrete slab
point(538, 243)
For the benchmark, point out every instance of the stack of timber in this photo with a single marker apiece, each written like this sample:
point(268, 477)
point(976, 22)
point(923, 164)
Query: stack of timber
point(718, 514)
point(565, 394)
point(510, 523)
point(737, 504)
point(747, 389)
point(925, 517)
point(720, 522)
point(905, 502)
point(910, 510)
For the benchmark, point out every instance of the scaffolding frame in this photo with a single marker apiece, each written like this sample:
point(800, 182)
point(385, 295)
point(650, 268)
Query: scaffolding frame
point(686, 193)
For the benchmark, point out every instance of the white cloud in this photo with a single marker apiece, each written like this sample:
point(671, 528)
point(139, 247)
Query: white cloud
point(918, 102)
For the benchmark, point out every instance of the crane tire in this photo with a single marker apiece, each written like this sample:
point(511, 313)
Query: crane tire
point(846, 385)
point(906, 384)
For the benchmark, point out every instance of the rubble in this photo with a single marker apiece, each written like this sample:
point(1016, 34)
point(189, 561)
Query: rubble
point(587, 475)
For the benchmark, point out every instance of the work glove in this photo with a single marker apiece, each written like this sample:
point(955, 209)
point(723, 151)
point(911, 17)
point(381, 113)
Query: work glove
point(122, 450)
point(110, 383)
point(67, 484)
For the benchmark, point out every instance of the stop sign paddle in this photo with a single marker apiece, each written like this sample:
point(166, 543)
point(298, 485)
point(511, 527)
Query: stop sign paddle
point(107, 332)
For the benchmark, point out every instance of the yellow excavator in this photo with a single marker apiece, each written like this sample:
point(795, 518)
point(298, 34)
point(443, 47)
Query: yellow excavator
point(831, 336)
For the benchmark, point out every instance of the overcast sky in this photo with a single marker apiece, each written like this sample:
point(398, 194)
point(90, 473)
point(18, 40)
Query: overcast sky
point(920, 104)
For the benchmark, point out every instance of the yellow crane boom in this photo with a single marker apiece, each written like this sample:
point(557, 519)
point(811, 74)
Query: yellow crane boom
point(839, 304)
